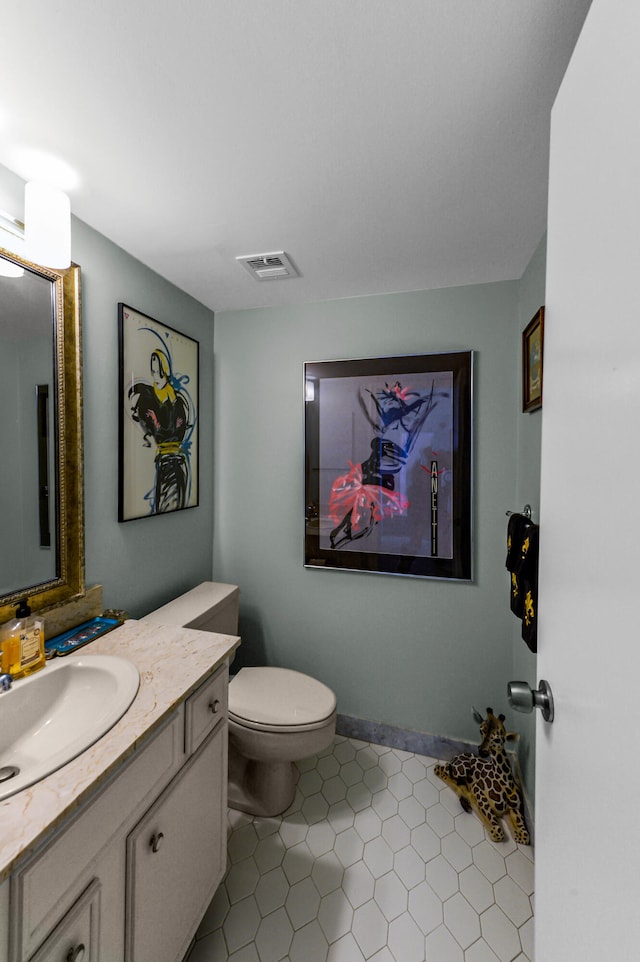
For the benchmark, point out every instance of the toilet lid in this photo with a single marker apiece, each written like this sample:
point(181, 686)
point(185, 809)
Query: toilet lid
point(279, 696)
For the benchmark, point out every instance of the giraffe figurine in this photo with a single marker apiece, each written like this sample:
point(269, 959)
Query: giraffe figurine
point(486, 782)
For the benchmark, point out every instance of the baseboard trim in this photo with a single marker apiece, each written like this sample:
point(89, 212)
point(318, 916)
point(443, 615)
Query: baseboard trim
point(422, 743)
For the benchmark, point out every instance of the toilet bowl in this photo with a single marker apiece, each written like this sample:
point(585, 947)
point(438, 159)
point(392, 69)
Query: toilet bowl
point(277, 716)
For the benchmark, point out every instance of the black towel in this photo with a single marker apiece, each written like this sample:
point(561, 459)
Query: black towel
point(517, 530)
point(528, 579)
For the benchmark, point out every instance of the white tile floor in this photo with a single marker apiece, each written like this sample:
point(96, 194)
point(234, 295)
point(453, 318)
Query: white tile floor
point(374, 860)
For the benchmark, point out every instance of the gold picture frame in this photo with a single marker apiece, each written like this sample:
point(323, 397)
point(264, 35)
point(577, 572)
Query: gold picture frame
point(68, 582)
point(532, 358)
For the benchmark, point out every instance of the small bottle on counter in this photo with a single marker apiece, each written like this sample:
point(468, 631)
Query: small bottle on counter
point(22, 643)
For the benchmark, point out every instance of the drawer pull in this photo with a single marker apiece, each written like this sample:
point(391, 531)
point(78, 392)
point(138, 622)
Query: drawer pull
point(156, 841)
point(75, 954)
point(214, 706)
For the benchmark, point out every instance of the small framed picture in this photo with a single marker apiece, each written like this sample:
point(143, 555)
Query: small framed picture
point(532, 355)
point(158, 415)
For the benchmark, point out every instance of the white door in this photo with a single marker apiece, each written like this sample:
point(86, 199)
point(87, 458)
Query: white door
point(588, 760)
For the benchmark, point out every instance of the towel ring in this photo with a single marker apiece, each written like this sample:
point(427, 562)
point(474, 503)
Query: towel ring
point(526, 511)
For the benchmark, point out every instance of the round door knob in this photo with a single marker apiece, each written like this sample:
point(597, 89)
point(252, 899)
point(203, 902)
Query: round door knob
point(75, 953)
point(156, 841)
point(214, 706)
point(523, 698)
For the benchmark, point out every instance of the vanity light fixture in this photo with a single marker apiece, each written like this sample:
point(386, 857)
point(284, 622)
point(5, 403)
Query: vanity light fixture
point(310, 388)
point(12, 239)
point(8, 269)
point(47, 217)
point(45, 236)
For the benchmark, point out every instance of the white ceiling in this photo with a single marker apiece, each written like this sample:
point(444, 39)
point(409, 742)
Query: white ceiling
point(386, 145)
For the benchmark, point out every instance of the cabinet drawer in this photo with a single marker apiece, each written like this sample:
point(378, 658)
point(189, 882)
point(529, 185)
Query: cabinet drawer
point(176, 857)
point(75, 939)
point(45, 888)
point(205, 708)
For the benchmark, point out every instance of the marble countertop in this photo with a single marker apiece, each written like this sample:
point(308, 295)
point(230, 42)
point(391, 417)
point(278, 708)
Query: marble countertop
point(172, 662)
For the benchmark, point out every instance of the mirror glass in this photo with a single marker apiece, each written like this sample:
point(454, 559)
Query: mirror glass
point(41, 504)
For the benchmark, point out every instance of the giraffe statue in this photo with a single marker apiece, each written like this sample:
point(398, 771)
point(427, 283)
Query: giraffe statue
point(486, 782)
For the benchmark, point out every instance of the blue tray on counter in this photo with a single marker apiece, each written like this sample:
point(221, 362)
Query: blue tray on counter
point(75, 638)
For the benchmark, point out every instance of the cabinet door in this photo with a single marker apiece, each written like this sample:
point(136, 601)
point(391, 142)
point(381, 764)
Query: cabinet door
point(75, 938)
point(176, 857)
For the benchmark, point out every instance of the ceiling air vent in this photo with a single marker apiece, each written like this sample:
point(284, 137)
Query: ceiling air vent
point(269, 267)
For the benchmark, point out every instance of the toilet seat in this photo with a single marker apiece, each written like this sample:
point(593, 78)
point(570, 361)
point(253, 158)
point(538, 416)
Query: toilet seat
point(285, 729)
point(279, 699)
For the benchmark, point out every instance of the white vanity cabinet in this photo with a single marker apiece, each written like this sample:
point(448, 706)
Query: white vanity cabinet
point(175, 860)
point(129, 877)
point(176, 854)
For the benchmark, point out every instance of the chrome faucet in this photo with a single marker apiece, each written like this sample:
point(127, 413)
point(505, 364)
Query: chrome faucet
point(5, 682)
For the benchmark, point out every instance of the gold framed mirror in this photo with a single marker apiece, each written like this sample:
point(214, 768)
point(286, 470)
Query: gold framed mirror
point(59, 303)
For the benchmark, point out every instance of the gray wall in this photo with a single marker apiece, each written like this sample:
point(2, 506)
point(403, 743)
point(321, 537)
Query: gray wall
point(143, 563)
point(412, 653)
point(11, 507)
point(24, 363)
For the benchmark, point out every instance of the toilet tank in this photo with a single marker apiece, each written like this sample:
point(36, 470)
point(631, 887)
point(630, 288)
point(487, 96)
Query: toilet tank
point(211, 606)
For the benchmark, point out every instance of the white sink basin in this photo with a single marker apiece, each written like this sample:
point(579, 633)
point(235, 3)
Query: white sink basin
point(52, 716)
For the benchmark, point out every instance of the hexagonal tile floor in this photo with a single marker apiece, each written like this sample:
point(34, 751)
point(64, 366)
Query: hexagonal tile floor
point(375, 860)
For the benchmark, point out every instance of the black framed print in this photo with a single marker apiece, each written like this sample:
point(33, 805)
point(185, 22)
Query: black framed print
point(158, 417)
point(388, 465)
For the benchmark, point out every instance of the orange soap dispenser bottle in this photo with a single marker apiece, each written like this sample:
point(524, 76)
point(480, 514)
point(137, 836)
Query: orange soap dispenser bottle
point(22, 643)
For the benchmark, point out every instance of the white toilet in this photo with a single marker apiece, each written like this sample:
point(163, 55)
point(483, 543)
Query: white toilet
point(276, 716)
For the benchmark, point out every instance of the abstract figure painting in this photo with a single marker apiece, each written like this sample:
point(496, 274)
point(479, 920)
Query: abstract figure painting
point(388, 465)
point(158, 429)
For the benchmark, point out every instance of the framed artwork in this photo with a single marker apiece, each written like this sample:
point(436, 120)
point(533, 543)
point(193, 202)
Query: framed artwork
point(388, 465)
point(532, 355)
point(158, 417)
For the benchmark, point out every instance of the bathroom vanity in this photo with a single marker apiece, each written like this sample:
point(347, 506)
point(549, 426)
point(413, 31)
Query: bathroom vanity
point(116, 855)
